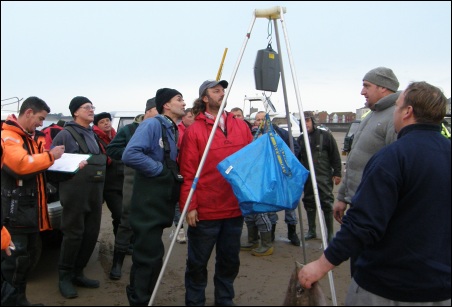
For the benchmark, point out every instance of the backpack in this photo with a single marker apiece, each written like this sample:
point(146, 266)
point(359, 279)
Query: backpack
point(51, 131)
point(52, 184)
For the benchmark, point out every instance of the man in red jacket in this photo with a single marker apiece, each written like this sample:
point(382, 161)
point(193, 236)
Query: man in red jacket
point(213, 216)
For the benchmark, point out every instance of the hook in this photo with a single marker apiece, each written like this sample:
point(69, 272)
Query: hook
point(269, 31)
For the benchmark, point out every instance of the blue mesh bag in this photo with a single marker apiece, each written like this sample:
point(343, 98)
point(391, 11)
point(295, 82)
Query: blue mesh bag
point(265, 175)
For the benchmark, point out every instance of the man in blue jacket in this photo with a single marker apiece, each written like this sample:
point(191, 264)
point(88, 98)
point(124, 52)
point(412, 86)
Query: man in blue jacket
point(399, 222)
point(152, 152)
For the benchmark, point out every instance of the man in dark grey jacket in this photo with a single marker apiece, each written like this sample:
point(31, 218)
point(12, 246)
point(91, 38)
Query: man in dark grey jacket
point(328, 166)
point(81, 198)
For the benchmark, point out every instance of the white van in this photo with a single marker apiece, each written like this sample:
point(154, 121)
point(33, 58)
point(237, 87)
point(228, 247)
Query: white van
point(277, 118)
point(121, 118)
point(281, 121)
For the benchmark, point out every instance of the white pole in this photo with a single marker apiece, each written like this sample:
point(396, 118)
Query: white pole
point(201, 164)
point(286, 103)
point(308, 152)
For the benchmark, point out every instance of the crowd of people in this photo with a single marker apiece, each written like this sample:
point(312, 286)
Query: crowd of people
point(396, 231)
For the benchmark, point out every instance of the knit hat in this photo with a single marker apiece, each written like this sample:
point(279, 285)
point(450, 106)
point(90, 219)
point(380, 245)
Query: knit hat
point(209, 84)
point(100, 116)
point(164, 95)
point(383, 77)
point(150, 104)
point(77, 102)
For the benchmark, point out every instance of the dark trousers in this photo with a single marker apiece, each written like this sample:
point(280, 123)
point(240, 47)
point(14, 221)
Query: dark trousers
point(15, 268)
point(225, 236)
point(80, 221)
point(325, 189)
point(124, 235)
point(113, 199)
point(114, 181)
point(152, 211)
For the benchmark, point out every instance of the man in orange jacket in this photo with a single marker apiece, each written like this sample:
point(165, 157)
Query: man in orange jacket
point(24, 196)
point(7, 244)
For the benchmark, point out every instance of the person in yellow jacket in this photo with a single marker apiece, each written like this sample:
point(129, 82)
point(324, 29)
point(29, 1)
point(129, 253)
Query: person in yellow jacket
point(445, 130)
point(24, 195)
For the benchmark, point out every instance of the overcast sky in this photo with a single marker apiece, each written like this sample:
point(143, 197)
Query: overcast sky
point(118, 54)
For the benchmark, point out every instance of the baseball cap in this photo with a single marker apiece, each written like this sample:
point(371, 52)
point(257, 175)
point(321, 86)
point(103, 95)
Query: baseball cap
point(211, 83)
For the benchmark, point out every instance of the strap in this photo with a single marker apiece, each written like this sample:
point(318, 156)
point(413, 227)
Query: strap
point(25, 145)
point(280, 154)
point(171, 164)
point(166, 145)
point(104, 144)
point(320, 144)
point(78, 138)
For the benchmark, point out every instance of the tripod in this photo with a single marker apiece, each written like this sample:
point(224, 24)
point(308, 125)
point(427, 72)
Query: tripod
point(274, 14)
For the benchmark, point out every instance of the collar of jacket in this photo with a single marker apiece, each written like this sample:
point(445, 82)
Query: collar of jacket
point(386, 102)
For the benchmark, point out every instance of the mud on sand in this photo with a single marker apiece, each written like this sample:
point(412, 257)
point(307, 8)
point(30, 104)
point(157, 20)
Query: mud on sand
point(262, 281)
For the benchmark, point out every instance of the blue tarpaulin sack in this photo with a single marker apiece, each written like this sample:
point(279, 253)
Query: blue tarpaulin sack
point(265, 175)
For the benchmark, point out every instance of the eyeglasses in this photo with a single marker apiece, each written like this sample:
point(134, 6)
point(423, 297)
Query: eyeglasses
point(89, 108)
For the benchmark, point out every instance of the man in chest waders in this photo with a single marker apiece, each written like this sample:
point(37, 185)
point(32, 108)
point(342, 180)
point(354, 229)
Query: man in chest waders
point(152, 152)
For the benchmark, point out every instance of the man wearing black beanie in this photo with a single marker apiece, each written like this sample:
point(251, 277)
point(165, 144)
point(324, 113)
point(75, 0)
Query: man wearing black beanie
point(152, 152)
point(124, 237)
point(77, 102)
point(81, 198)
point(100, 116)
point(163, 96)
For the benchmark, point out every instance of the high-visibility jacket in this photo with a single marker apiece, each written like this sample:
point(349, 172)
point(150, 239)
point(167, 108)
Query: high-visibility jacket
point(23, 178)
point(445, 131)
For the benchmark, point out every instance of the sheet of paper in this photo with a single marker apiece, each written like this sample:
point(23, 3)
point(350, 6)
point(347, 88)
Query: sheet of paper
point(68, 163)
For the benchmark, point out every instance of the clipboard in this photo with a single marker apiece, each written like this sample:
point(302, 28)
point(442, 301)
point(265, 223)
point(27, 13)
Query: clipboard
point(68, 163)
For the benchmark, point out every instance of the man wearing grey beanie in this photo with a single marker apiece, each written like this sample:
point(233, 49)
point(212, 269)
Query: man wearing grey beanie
point(383, 77)
point(375, 131)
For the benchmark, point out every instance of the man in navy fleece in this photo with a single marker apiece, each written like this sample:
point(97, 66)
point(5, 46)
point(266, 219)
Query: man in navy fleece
point(399, 223)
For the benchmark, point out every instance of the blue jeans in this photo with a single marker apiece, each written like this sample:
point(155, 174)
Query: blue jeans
point(225, 235)
point(177, 215)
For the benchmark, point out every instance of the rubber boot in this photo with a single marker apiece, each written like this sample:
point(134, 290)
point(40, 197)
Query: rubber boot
point(67, 289)
point(273, 232)
point(311, 223)
point(292, 235)
point(116, 267)
point(252, 241)
point(329, 225)
point(82, 281)
point(21, 299)
point(266, 246)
